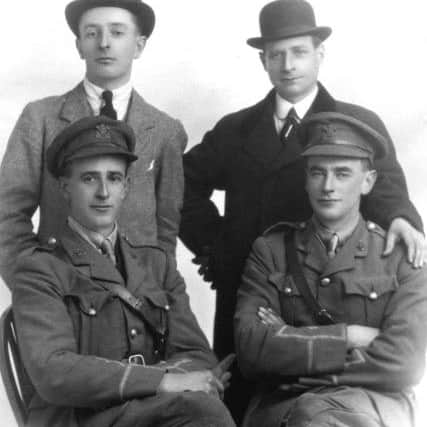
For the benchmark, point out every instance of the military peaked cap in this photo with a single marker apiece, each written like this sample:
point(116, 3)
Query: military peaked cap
point(90, 137)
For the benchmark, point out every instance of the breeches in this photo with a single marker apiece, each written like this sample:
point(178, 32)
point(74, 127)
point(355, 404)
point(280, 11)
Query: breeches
point(333, 407)
point(189, 409)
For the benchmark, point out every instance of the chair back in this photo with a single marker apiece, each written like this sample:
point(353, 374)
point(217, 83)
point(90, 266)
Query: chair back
point(18, 386)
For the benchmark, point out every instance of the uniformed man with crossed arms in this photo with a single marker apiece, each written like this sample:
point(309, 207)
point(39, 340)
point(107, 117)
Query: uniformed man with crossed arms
point(332, 331)
point(104, 326)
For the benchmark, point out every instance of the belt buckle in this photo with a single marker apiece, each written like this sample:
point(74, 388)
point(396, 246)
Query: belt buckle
point(137, 359)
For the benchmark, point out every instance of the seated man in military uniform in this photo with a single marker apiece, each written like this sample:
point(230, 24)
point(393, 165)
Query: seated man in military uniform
point(105, 329)
point(332, 332)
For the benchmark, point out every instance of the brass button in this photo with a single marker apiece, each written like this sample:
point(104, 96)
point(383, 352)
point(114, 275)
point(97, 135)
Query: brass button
point(325, 281)
point(288, 290)
point(133, 332)
point(302, 225)
point(92, 312)
point(371, 226)
point(373, 296)
point(167, 307)
point(156, 352)
point(51, 241)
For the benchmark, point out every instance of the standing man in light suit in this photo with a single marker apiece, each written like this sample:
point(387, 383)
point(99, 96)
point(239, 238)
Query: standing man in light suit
point(254, 156)
point(110, 35)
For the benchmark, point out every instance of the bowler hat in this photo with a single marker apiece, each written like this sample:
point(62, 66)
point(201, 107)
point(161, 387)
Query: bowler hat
point(142, 11)
point(90, 137)
point(334, 134)
point(282, 19)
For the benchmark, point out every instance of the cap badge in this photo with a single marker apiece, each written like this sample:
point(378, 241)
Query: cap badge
point(102, 131)
point(326, 133)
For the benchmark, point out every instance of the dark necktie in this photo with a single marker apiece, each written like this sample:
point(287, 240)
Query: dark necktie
point(291, 122)
point(108, 109)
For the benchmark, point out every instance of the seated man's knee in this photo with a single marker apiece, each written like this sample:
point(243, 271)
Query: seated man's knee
point(202, 409)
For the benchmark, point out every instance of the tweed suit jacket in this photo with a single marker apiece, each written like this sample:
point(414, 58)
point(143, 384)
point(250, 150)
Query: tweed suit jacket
point(151, 212)
point(75, 334)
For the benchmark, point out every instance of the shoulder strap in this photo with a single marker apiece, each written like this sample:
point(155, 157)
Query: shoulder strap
point(320, 314)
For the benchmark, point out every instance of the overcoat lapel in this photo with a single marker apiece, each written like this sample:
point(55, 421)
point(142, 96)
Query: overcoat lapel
point(262, 142)
point(293, 148)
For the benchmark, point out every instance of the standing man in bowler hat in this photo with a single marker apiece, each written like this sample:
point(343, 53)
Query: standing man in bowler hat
point(104, 326)
point(332, 331)
point(110, 35)
point(254, 156)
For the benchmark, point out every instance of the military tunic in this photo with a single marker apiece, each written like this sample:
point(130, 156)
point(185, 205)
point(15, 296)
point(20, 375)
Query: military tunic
point(301, 358)
point(76, 337)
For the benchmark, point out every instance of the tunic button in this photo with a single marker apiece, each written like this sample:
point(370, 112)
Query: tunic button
point(51, 241)
point(156, 352)
point(288, 290)
point(325, 281)
point(167, 307)
point(373, 296)
point(92, 312)
point(371, 226)
point(133, 332)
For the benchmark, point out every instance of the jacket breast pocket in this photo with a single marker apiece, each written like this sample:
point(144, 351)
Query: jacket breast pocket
point(366, 298)
point(291, 302)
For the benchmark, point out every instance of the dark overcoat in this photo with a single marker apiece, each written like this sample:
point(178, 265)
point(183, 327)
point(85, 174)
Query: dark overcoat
point(358, 287)
point(263, 182)
point(76, 335)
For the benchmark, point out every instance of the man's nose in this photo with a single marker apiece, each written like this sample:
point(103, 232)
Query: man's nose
point(328, 183)
point(104, 40)
point(287, 62)
point(103, 190)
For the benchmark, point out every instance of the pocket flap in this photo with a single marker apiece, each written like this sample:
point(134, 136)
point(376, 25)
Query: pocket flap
point(366, 286)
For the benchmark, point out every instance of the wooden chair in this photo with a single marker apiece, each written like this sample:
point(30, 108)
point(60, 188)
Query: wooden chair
point(18, 386)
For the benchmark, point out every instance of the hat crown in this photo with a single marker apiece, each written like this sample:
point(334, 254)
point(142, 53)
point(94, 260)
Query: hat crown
point(285, 13)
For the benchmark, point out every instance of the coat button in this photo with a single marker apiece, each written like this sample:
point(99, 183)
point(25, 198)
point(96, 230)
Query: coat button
point(133, 332)
point(156, 352)
point(302, 225)
point(371, 226)
point(360, 246)
point(325, 281)
point(373, 296)
point(51, 241)
point(92, 312)
point(167, 307)
point(288, 290)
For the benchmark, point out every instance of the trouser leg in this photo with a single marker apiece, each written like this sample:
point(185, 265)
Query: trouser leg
point(347, 407)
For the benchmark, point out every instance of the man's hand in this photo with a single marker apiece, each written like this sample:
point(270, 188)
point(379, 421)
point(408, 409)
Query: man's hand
point(360, 336)
point(269, 317)
point(221, 371)
point(204, 381)
point(204, 271)
point(416, 250)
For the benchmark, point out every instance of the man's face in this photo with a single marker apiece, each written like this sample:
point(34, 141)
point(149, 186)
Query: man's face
point(109, 41)
point(293, 66)
point(95, 189)
point(335, 186)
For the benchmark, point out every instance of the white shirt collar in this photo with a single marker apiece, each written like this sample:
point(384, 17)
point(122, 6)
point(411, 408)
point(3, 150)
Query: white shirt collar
point(121, 97)
point(301, 107)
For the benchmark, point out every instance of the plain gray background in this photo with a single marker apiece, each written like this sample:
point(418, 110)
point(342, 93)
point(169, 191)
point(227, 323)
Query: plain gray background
point(197, 67)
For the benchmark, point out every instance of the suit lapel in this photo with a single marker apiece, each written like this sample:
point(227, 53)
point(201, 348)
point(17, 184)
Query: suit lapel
point(75, 106)
point(140, 118)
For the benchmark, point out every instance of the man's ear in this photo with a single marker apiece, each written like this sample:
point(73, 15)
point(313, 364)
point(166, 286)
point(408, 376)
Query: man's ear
point(369, 181)
point(79, 48)
point(321, 52)
point(262, 59)
point(126, 187)
point(63, 187)
point(140, 45)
